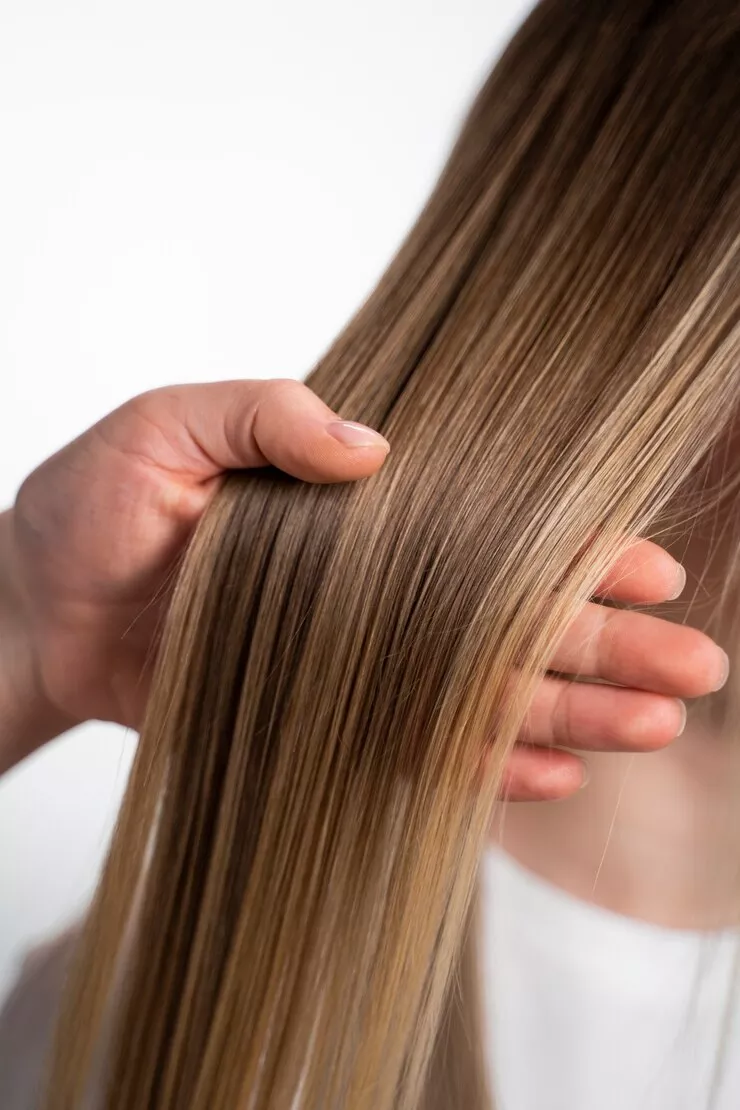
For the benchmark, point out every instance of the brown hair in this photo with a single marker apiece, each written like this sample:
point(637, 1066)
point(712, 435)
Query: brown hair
point(554, 349)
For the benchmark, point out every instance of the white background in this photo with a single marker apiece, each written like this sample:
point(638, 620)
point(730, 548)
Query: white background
point(190, 191)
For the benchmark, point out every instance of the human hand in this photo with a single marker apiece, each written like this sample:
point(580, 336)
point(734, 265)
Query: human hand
point(86, 552)
point(88, 548)
point(654, 663)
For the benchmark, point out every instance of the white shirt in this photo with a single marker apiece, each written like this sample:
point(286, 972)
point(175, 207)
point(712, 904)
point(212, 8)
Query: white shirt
point(589, 1010)
point(585, 1009)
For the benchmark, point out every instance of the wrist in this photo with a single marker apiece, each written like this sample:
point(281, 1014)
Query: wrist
point(27, 717)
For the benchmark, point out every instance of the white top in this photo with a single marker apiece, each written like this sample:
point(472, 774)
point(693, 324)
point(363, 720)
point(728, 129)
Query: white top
point(585, 1009)
point(590, 1010)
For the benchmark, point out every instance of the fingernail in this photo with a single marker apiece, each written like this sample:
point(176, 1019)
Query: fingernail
point(725, 672)
point(586, 774)
point(356, 435)
point(680, 582)
point(684, 715)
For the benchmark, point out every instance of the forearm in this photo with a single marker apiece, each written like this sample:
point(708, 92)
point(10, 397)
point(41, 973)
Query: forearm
point(27, 718)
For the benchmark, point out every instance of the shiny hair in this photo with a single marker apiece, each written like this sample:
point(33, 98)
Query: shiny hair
point(287, 907)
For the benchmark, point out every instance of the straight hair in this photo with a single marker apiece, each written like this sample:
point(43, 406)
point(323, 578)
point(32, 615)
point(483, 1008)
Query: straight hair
point(286, 917)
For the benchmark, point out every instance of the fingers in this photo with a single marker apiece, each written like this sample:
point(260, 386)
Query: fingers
point(653, 663)
point(587, 717)
point(601, 718)
point(641, 651)
point(198, 431)
point(541, 775)
point(644, 575)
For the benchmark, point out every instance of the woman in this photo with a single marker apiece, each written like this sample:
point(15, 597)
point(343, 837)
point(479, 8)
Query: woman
point(555, 348)
point(66, 659)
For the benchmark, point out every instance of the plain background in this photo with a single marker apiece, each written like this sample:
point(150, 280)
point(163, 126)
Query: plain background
point(190, 191)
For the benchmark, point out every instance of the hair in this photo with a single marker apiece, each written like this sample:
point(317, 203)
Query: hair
point(552, 353)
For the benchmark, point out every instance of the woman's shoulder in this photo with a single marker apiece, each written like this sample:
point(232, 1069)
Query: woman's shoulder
point(27, 1020)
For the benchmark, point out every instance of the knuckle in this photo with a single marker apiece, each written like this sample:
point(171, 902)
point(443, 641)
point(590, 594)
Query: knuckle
point(562, 713)
point(608, 638)
point(144, 404)
point(277, 388)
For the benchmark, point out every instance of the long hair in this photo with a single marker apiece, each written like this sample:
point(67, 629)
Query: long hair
point(344, 670)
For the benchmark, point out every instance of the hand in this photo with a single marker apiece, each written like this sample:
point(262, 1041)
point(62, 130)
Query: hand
point(86, 552)
point(88, 548)
point(653, 663)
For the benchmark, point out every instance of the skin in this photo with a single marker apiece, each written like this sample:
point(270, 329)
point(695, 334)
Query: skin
point(87, 551)
point(654, 838)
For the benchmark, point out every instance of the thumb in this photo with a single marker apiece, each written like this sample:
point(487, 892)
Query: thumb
point(198, 431)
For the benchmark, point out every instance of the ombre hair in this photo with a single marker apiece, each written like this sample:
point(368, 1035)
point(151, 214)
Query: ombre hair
point(553, 353)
